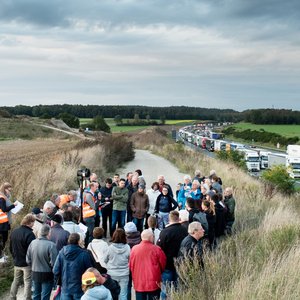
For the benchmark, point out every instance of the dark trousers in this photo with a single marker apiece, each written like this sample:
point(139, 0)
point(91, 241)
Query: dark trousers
point(154, 295)
point(3, 240)
point(139, 224)
point(106, 215)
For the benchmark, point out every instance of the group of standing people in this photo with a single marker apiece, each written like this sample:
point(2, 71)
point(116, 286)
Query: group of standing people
point(151, 230)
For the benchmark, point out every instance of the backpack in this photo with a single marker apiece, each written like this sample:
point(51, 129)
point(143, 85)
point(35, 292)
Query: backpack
point(201, 218)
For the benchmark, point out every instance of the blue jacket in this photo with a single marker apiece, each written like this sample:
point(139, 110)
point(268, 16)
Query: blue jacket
point(98, 292)
point(183, 194)
point(72, 261)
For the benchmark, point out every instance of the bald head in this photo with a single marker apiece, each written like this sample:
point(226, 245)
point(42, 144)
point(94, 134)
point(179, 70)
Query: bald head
point(147, 235)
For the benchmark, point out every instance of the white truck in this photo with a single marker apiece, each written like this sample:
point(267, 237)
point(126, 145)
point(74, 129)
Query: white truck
point(293, 160)
point(264, 159)
point(252, 159)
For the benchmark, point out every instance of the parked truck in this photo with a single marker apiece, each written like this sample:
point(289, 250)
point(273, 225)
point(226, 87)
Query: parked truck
point(293, 160)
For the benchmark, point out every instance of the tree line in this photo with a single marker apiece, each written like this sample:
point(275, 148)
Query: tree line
point(255, 116)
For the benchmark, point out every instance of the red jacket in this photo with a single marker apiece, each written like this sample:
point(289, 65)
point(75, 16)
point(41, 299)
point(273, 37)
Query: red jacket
point(147, 262)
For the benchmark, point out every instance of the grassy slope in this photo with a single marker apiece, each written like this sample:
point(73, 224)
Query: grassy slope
point(24, 129)
point(285, 130)
point(262, 259)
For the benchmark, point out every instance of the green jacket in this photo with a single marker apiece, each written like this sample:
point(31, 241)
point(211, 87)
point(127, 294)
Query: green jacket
point(230, 204)
point(120, 198)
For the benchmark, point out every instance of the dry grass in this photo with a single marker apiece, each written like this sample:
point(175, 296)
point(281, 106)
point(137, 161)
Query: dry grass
point(36, 169)
point(262, 259)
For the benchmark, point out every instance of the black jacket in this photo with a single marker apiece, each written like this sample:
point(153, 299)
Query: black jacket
point(211, 220)
point(190, 247)
point(220, 220)
point(20, 240)
point(172, 203)
point(169, 241)
point(113, 286)
point(106, 193)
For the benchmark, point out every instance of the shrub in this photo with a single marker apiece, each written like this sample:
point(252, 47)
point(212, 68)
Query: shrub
point(69, 119)
point(100, 124)
point(279, 178)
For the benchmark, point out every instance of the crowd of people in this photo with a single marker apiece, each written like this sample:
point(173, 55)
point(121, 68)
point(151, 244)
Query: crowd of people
point(105, 241)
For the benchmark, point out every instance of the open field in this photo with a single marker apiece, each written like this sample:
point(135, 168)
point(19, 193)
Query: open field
point(284, 130)
point(111, 123)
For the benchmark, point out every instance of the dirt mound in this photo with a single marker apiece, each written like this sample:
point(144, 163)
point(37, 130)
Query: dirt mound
point(59, 124)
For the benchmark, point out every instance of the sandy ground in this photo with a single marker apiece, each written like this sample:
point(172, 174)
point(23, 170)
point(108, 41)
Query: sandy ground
point(151, 166)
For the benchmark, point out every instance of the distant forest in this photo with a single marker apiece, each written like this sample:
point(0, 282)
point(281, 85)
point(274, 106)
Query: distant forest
point(255, 116)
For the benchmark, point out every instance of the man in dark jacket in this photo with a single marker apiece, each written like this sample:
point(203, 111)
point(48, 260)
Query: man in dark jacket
point(71, 263)
point(41, 256)
point(191, 245)
point(106, 209)
point(139, 205)
point(58, 235)
point(230, 205)
point(20, 240)
point(169, 240)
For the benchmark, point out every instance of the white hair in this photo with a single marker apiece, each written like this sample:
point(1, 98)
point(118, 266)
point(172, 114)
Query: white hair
point(183, 215)
point(212, 172)
point(185, 177)
point(196, 182)
point(194, 226)
point(161, 176)
point(48, 204)
point(197, 173)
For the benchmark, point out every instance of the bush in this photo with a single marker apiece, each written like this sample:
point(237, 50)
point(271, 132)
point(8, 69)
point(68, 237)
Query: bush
point(233, 156)
point(69, 119)
point(100, 124)
point(279, 178)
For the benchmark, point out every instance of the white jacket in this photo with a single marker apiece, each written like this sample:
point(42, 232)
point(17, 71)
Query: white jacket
point(152, 200)
point(99, 248)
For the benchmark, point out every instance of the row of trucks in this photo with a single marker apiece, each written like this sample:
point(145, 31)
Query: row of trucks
point(256, 159)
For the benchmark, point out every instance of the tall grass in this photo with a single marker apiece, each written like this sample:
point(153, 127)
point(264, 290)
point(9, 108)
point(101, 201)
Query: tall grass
point(262, 259)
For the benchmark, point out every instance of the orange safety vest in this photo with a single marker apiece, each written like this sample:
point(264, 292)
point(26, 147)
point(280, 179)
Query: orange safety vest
point(87, 210)
point(3, 215)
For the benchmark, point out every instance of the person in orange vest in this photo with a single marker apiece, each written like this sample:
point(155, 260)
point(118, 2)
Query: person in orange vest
point(88, 209)
point(5, 207)
point(68, 198)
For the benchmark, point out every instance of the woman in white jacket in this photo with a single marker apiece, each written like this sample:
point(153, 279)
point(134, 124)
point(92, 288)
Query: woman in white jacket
point(117, 260)
point(98, 246)
point(152, 193)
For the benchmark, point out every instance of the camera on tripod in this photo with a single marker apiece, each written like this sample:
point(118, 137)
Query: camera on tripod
point(83, 175)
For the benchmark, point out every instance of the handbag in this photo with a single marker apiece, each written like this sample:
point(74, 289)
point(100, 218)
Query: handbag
point(98, 266)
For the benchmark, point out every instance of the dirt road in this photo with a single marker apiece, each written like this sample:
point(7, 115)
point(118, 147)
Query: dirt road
point(152, 166)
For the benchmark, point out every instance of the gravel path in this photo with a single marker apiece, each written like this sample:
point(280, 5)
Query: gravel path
point(152, 166)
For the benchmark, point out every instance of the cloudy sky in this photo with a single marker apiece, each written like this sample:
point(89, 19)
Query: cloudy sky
point(210, 53)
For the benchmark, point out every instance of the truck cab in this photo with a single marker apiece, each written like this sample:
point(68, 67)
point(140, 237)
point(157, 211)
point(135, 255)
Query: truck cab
point(293, 160)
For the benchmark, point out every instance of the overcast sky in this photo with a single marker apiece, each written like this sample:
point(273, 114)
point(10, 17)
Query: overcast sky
point(213, 53)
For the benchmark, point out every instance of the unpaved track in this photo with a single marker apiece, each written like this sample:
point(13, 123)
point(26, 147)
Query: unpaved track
point(152, 166)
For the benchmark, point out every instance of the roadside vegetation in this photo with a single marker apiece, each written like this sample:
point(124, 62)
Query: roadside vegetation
point(261, 260)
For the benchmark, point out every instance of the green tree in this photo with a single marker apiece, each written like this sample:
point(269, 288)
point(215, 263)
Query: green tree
point(148, 118)
point(136, 118)
point(69, 119)
point(100, 124)
point(279, 177)
point(118, 120)
point(163, 119)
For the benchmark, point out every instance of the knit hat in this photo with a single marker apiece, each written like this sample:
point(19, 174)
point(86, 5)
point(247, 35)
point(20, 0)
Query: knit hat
point(141, 186)
point(210, 193)
point(130, 227)
point(88, 278)
point(36, 211)
point(57, 218)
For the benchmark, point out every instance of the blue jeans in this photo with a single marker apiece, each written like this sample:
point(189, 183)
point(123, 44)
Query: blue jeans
point(69, 296)
point(118, 216)
point(42, 290)
point(139, 223)
point(169, 279)
point(123, 282)
point(163, 220)
point(90, 223)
